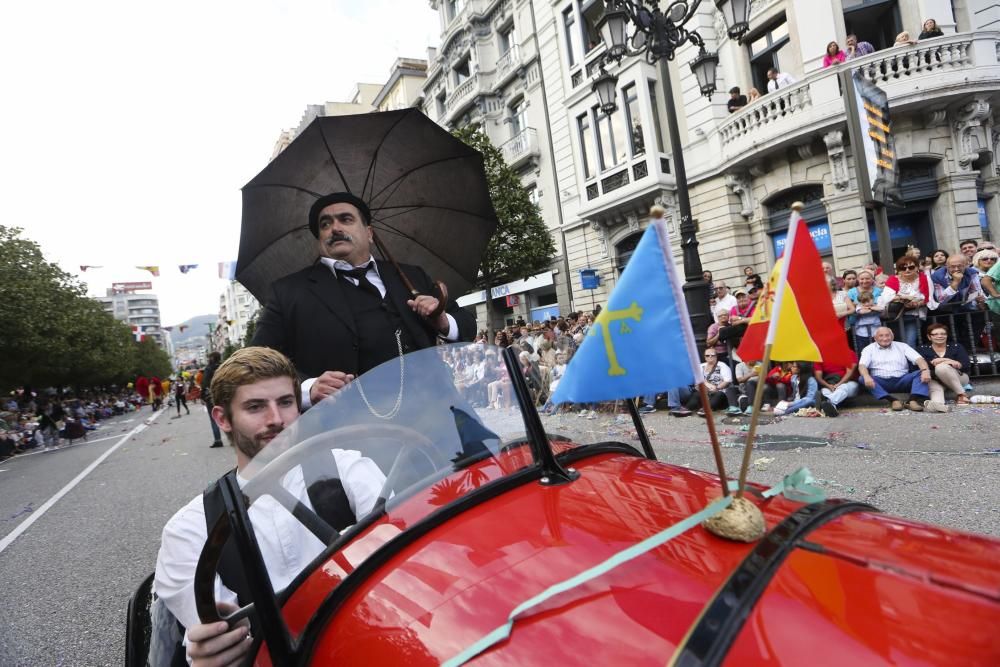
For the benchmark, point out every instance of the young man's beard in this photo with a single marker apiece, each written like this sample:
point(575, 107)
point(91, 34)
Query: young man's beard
point(250, 446)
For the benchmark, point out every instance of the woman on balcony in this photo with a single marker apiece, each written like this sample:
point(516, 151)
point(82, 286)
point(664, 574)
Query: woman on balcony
point(834, 56)
point(930, 29)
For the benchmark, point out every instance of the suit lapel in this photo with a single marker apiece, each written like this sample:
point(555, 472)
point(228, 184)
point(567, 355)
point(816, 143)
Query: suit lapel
point(325, 286)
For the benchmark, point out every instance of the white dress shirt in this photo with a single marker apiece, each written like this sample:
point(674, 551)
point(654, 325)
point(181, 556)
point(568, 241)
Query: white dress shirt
point(888, 362)
point(285, 544)
point(781, 81)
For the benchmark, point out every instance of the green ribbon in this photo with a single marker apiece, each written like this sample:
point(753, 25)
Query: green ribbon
point(797, 486)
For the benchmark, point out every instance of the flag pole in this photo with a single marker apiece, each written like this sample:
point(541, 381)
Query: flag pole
point(706, 406)
point(758, 395)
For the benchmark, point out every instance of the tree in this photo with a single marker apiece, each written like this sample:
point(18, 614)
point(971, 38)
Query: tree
point(251, 328)
point(522, 245)
point(150, 360)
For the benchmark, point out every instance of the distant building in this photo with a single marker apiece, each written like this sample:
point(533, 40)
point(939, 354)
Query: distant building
point(237, 307)
point(404, 87)
point(136, 310)
point(362, 101)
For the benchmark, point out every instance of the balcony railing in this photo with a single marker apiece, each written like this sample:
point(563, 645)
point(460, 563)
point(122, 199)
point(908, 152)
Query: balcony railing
point(925, 72)
point(508, 62)
point(462, 93)
point(521, 148)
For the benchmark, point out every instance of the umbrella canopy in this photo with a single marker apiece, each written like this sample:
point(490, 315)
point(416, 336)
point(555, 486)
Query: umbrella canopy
point(427, 192)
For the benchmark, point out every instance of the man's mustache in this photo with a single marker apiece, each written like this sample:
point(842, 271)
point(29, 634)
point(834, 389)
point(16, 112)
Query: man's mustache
point(339, 236)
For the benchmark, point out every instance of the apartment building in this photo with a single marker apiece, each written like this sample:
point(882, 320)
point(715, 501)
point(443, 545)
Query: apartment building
point(136, 310)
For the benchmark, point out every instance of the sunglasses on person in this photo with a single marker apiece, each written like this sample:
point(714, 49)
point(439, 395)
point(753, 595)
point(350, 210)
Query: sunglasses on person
point(907, 267)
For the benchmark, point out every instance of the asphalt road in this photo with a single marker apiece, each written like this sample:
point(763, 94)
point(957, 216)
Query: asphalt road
point(68, 577)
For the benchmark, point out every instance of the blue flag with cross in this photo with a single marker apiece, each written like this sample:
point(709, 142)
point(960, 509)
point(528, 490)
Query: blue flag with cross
point(642, 342)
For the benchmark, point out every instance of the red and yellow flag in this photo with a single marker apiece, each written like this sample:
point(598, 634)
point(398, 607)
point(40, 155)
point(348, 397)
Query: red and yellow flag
point(795, 313)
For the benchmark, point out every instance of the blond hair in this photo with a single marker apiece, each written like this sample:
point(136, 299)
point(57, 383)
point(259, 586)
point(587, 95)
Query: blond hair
point(247, 366)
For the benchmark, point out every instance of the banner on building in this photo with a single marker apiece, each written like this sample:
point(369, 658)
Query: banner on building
point(128, 288)
point(870, 127)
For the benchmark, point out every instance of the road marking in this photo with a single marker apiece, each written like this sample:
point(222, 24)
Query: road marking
point(59, 449)
point(37, 514)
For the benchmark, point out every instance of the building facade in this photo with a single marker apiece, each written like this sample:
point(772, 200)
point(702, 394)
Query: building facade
point(136, 310)
point(237, 307)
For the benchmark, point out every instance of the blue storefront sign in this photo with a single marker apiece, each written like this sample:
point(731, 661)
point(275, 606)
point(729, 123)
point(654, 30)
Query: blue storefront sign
point(590, 279)
point(898, 231)
point(820, 233)
point(545, 313)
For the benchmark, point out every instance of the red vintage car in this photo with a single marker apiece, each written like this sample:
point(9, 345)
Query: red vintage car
point(481, 510)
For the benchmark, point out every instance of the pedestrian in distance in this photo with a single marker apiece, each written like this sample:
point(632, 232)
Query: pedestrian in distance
point(180, 396)
point(214, 358)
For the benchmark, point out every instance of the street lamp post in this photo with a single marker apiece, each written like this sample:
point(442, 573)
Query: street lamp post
point(658, 34)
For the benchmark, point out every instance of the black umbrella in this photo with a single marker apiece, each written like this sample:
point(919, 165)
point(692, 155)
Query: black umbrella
point(427, 193)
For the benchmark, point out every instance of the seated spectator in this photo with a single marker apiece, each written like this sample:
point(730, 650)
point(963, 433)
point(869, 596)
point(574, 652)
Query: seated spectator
point(739, 318)
point(867, 319)
point(740, 393)
point(684, 400)
point(723, 298)
point(885, 368)
point(949, 364)
point(834, 55)
point(736, 100)
point(930, 29)
point(836, 385)
point(856, 49)
point(712, 335)
point(804, 387)
point(778, 383)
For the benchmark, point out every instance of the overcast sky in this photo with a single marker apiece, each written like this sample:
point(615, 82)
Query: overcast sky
point(130, 126)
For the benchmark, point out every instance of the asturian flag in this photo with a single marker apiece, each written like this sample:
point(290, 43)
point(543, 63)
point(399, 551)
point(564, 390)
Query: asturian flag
point(155, 270)
point(795, 313)
point(642, 342)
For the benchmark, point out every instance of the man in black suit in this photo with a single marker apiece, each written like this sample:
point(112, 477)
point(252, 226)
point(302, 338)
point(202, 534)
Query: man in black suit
point(348, 313)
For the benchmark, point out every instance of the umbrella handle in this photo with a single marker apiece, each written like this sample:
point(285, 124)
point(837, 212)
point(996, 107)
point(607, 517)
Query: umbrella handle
point(442, 288)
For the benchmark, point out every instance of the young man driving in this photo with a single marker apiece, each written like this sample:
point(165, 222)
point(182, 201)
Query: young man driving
point(256, 395)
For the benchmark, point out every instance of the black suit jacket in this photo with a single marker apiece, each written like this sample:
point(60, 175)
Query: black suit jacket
point(307, 317)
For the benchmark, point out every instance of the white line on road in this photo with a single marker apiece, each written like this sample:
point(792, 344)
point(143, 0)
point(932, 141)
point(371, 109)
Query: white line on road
point(37, 514)
point(52, 450)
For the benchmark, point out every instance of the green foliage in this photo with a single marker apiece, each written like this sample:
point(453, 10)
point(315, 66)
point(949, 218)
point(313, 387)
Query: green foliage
point(229, 349)
point(251, 328)
point(51, 333)
point(522, 245)
point(150, 360)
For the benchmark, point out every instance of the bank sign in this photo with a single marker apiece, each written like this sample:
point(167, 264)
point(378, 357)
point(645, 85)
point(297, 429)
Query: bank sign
point(820, 233)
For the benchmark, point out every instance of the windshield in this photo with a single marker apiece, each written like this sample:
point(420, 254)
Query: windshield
point(405, 438)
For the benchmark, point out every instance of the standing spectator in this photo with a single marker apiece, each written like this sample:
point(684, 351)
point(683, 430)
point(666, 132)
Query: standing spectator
point(752, 278)
point(867, 319)
point(885, 368)
point(984, 260)
point(968, 248)
point(843, 306)
point(833, 55)
point(856, 49)
point(180, 396)
point(828, 270)
point(753, 94)
point(912, 289)
point(949, 364)
point(957, 286)
point(707, 277)
point(938, 259)
point(776, 80)
point(214, 359)
point(930, 29)
point(849, 279)
point(904, 39)
point(736, 100)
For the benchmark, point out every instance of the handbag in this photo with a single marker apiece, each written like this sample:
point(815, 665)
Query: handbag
point(893, 311)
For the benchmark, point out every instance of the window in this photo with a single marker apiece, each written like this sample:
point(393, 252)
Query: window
point(587, 146)
point(440, 103)
point(507, 39)
point(656, 116)
point(572, 36)
point(633, 120)
point(454, 8)
point(874, 21)
point(462, 70)
point(518, 117)
point(533, 194)
point(592, 11)
point(610, 138)
point(767, 51)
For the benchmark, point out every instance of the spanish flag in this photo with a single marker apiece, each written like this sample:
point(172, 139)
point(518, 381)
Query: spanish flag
point(155, 270)
point(795, 313)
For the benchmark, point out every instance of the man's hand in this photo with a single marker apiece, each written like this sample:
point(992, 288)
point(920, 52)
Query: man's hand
point(328, 383)
point(925, 375)
point(869, 382)
point(215, 645)
point(423, 305)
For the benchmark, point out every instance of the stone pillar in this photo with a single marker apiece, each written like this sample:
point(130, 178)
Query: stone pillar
point(848, 231)
point(958, 198)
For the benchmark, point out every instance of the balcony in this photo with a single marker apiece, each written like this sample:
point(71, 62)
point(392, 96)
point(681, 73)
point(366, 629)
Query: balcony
point(463, 94)
point(930, 74)
point(522, 149)
point(508, 63)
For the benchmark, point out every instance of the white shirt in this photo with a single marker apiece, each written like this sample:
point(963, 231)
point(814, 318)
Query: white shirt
point(728, 302)
point(375, 279)
point(781, 81)
point(888, 362)
point(285, 544)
